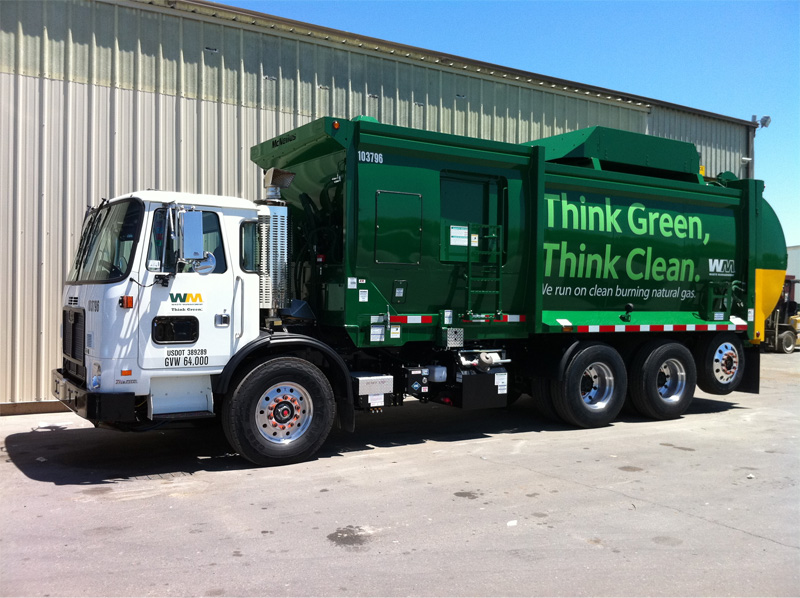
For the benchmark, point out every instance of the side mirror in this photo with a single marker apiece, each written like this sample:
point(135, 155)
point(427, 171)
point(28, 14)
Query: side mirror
point(206, 265)
point(190, 234)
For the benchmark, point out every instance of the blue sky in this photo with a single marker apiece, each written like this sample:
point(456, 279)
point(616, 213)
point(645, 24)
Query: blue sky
point(733, 58)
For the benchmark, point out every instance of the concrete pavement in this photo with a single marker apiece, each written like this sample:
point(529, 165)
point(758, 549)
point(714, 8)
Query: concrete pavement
point(424, 500)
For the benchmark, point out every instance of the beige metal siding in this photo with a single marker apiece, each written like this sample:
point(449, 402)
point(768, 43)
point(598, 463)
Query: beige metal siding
point(721, 144)
point(146, 49)
point(98, 98)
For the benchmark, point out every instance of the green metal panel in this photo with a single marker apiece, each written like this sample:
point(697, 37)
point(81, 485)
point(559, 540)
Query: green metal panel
point(398, 227)
point(771, 251)
point(621, 147)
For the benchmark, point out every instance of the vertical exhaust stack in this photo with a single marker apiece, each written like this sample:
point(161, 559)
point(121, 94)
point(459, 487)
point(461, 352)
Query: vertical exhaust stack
point(274, 239)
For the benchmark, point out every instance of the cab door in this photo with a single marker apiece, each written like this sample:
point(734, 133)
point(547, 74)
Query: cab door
point(186, 318)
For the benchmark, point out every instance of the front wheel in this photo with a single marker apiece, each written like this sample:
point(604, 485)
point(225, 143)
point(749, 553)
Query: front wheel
point(662, 380)
point(593, 389)
point(281, 412)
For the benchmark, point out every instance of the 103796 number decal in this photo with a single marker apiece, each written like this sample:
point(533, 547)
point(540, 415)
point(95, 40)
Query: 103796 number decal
point(371, 157)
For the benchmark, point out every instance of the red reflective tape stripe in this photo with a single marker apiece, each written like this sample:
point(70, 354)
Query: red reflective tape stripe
point(513, 318)
point(660, 327)
point(411, 319)
point(489, 318)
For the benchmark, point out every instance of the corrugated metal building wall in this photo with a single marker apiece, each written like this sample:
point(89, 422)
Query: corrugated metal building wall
point(102, 97)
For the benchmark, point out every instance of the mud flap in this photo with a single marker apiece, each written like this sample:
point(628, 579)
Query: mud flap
point(752, 371)
point(345, 413)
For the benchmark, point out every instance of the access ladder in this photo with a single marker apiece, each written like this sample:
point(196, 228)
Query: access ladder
point(484, 267)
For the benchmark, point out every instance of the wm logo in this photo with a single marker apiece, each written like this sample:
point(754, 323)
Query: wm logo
point(186, 298)
point(721, 267)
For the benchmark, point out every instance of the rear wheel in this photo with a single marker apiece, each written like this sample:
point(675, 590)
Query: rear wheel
point(281, 412)
point(542, 399)
point(662, 380)
point(720, 364)
point(592, 391)
point(787, 341)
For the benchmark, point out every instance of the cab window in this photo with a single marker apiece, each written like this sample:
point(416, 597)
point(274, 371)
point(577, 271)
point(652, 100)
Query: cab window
point(162, 233)
point(249, 244)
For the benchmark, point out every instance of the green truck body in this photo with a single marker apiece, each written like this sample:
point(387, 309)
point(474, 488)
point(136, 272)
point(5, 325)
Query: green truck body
point(411, 233)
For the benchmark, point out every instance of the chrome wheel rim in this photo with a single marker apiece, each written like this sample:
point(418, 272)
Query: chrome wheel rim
point(671, 381)
point(597, 386)
point(726, 363)
point(284, 413)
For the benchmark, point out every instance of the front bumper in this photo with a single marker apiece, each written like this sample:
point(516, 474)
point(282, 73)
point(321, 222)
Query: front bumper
point(94, 406)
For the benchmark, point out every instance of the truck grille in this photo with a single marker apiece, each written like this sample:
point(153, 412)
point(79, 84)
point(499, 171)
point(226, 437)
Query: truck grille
point(73, 343)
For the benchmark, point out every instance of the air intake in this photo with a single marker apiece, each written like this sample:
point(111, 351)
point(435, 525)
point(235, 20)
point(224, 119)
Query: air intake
point(274, 263)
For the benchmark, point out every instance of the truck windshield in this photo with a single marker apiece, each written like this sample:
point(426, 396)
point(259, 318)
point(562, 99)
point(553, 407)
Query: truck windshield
point(108, 243)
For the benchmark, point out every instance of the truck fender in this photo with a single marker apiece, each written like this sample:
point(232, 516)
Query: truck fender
point(281, 342)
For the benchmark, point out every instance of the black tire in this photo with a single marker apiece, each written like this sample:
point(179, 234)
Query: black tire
point(720, 363)
point(281, 412)
point(662, 380)
point(787, 341)
point(542, 400)
point(593, 390)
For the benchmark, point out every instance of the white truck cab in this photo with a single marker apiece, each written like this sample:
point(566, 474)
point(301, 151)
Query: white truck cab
point(171, 312)
point(148, 317)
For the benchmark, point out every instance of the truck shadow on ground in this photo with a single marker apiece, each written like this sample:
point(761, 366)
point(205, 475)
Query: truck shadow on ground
point(87, 456)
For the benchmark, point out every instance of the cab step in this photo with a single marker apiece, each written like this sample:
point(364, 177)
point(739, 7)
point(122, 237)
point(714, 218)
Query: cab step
point(184, 415)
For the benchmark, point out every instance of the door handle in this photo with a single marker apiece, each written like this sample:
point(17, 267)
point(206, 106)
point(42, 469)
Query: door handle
point(240, 316)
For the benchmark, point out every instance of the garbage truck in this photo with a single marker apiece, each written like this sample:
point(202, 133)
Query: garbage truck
point(383, 264)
